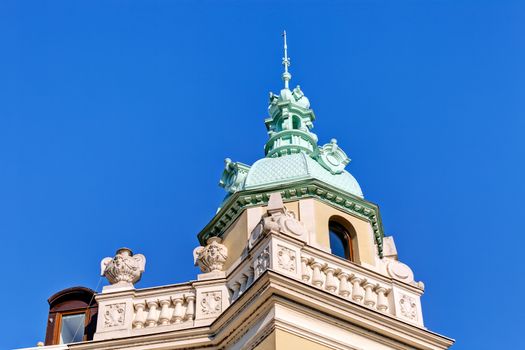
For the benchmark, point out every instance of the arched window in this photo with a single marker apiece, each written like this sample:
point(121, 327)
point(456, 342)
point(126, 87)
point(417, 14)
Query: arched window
point(72, 316)
point(340, 241)
point(296, 122)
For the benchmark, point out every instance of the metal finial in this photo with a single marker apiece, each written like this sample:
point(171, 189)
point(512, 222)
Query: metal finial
point(286, 63)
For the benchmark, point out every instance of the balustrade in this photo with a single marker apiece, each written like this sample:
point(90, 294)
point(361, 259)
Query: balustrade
point(344, 282)
point(163, 311)
point(176, 307)
point(240, 281)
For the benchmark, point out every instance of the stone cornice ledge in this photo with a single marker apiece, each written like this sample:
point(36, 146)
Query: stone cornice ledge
point(310, 188)
point(325, 305)
point(257, 304)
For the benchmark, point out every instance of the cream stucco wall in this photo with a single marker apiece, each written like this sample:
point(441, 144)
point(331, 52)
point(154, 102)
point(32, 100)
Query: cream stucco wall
point(268, 343)
point(235, 239)
point(315, 215)
point(365, 252)
point(285, 340)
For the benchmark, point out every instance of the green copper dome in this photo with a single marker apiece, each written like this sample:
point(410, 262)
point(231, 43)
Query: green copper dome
point(295, 167)
point(292, 153)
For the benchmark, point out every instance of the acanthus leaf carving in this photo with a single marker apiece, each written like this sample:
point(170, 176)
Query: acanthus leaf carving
point(124, 268)
point(212, 257)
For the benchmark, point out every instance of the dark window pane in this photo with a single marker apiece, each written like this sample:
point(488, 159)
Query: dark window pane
point(72, 328)
point(337, 244)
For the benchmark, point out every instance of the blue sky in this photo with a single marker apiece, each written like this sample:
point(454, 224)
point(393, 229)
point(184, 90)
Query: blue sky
point(116, 116)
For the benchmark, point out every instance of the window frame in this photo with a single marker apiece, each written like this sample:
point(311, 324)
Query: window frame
point(346, 239)
point(58, 320)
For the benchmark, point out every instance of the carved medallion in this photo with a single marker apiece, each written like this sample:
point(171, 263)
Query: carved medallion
point(114, 315)
point(211, 303)
point(400, 271)
point(408, 307)
point(333, 158)
point(286, 258)
point(233, 176)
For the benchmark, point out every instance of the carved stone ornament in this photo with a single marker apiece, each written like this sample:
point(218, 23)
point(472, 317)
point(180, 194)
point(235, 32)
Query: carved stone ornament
point(286, 258)
point(408, 307)
point(211, 303)
point(262, 262)
point(124, 268)
point(212, 257)
point(114, 315)
point(278, 220)
point(399, 271)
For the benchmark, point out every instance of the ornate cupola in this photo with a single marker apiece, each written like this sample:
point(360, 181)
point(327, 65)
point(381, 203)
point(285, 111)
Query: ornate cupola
point(296, 166)
point(290, 119)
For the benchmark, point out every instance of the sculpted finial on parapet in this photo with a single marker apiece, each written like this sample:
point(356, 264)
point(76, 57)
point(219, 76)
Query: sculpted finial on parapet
point(124, 269)
point(212, 257)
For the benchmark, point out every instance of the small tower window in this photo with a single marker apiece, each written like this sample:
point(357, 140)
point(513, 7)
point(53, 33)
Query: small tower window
point(296, 122)
point(340, 241)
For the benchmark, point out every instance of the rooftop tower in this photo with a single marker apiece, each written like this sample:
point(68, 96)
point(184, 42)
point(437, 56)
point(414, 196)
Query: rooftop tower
point(295, 258)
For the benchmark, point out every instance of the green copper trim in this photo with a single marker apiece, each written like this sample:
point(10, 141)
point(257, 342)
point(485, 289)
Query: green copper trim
point(311, 188)
point(289, 125)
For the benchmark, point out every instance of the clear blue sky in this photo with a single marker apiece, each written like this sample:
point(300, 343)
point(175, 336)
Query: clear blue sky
point(115, 118)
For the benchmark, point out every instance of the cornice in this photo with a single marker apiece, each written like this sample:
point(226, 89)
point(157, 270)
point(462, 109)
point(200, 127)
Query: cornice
point(259, 300)
point(309, 188)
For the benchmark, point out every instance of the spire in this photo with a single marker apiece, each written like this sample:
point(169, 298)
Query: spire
point(286, 63)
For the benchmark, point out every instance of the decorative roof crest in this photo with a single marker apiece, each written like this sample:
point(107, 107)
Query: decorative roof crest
point(286, 63)
point(289, 125)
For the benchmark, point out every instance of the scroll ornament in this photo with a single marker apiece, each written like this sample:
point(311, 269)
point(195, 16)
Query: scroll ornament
point(278, 220)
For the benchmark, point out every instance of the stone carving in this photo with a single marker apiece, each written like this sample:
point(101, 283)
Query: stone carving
point(278, 220)
point(400, 271)
point(211, 303)
point(124, 268)
point(212, 257)
point(408, 307)
point(286, 258)
point(262, 262)
point(114, 315)
point(332, 157)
